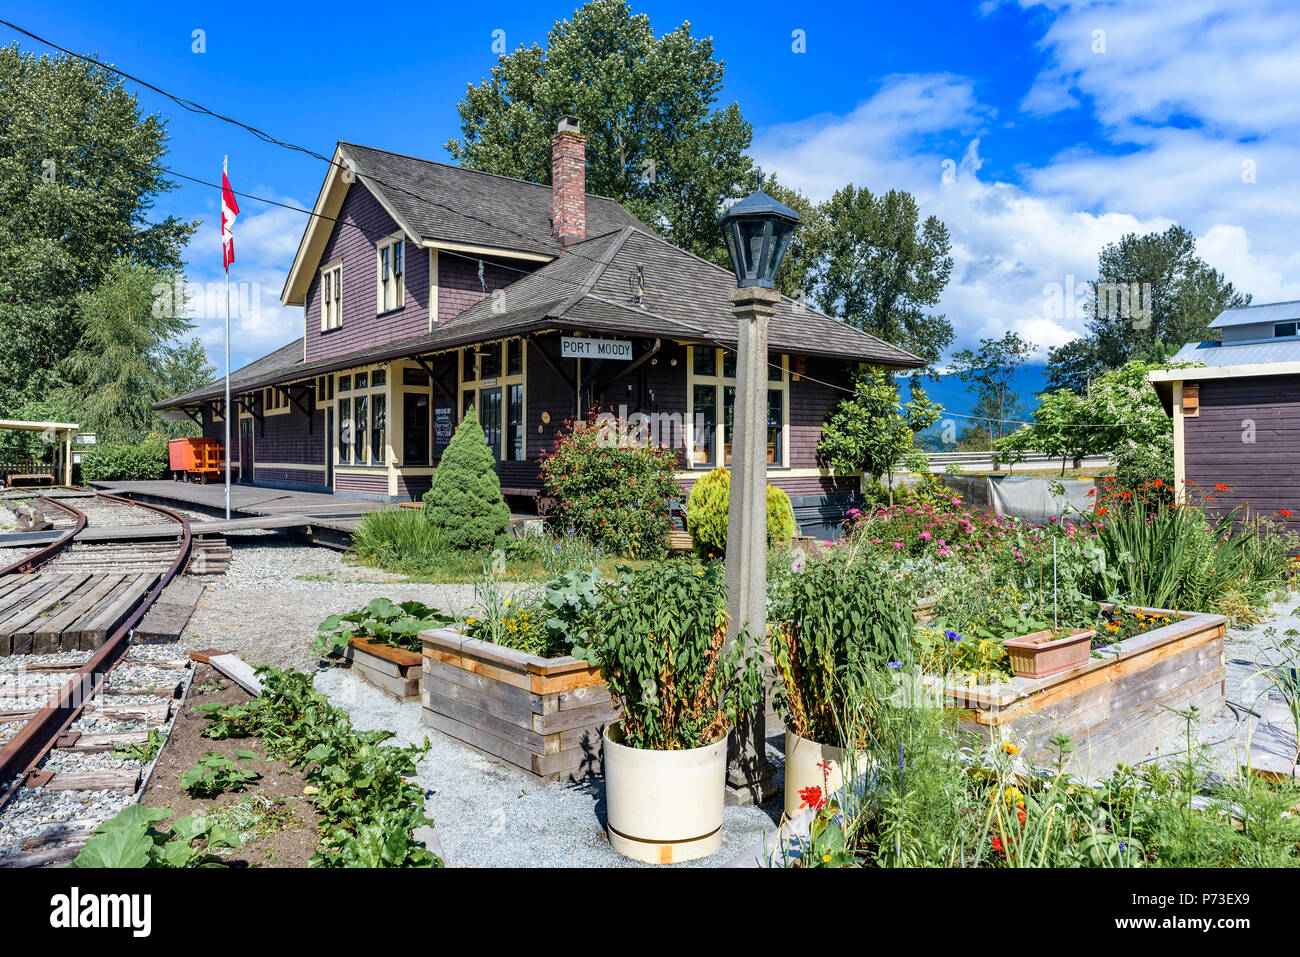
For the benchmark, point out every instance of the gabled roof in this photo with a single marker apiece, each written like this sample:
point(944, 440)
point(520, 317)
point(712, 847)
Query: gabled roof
point(440, 205)
point(685, 297)
point(592, 288)
point(1263, 312)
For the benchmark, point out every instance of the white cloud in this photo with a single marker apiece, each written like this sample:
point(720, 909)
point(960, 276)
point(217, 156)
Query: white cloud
point(1197, 112)
point(266, 238)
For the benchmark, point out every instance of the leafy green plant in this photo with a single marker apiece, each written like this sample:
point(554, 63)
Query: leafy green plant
point(707, 508)
point(144, 752)
point(660, 641)
point(214, 774)
point(871, 430)
point(847, 623)
point(610, 489)
point(464, 503)
point(113, 462)
point(396, 624)
point(368, 809)
point(402, 539)
point(131, 839)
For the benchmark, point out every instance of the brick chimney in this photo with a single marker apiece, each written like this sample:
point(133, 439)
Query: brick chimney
point(569, 182)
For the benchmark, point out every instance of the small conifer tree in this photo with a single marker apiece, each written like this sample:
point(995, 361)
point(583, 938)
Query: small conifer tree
point(464, 502)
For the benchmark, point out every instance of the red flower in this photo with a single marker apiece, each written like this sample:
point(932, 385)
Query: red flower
point(997, 844)
point(1220, 487)
point(1158, 483)
point(1286, 513)
point(812, 797)
point(1020, 813)
point(1101, 510)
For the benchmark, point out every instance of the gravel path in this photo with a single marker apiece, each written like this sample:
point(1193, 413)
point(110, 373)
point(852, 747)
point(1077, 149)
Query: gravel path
point(267, 606)
point(1246, 650)
point(488, 814)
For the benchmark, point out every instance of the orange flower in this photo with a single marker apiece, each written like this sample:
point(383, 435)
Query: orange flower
point(1220, 487)
point(1010, 748)
point(1101, 509)
point(1286, 513)
point(812, 797)
point(1158, 483)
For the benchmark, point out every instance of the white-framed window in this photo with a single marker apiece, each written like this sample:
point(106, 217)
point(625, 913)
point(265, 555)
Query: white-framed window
point(331, 296)
point(492, 376)
point(711, 407)
point(391, 267)
point(362, 416)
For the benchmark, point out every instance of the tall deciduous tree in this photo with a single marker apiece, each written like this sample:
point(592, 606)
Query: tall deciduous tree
point(656, 139)
point(880, 268)
point(124, 360)
point(1152, 295)
point(78, 177)
point(992, 370)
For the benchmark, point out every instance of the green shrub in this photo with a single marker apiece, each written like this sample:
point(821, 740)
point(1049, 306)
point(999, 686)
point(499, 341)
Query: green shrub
point(659, 639)
point(847, 623)
point(464, 503)
point(612, 491)
point(706, 514)
point(119, 462)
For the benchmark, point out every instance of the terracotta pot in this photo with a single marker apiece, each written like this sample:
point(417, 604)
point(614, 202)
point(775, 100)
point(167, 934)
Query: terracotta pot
point(1039, 655)
point(802, 768)
point(664, 806)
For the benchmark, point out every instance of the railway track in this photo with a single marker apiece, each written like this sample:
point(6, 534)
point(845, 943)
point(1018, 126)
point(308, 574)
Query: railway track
point(74, 690)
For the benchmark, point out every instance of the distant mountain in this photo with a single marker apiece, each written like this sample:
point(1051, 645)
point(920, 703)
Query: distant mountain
point(958, 400)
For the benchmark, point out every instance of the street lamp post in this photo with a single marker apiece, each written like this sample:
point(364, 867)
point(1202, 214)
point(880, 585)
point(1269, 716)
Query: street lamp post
point(757, 231)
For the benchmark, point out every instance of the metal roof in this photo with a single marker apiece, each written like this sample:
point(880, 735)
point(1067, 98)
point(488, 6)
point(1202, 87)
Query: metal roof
point(1264, 312)
point(1217, 354)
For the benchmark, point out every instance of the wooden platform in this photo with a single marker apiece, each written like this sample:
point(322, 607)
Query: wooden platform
point(66, 611)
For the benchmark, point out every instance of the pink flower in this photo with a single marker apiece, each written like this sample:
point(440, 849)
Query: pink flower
point(925, 536)
point(898, 544)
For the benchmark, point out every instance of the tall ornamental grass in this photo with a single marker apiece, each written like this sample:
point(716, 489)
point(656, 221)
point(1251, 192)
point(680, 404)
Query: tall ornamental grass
point(1176, 555)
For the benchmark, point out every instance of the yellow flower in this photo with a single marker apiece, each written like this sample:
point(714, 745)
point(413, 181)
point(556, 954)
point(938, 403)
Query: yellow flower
point(826, 858)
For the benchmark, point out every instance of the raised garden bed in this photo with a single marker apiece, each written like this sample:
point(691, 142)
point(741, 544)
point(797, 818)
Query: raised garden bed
point(1114, 708)
point(543, 715)
point(389, 669)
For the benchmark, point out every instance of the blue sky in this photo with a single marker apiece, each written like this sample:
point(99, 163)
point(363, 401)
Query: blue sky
point(1061, 124)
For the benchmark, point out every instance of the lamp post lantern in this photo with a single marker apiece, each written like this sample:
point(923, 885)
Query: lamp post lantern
point(757, 231)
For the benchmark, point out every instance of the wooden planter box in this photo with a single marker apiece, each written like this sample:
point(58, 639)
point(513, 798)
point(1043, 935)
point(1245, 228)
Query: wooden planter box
point(1114, 708)
point(543, 715)
point(389, 669)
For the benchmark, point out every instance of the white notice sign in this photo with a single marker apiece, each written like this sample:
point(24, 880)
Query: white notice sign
point(575, 348)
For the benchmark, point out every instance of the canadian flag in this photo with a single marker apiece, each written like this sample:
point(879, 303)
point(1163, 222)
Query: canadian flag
point(229, 210)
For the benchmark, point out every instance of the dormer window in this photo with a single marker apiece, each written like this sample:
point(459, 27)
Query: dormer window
point(331, 297)
point(391, 267)
point(1282, 330)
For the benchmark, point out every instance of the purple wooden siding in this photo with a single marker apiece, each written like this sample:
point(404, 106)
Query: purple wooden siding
point(459, 286)
point(1262, 473)
point(354, 239)
point(285, 439)
point(810, 401)
point(375, 483)
point(413, 485)
point(294, 476)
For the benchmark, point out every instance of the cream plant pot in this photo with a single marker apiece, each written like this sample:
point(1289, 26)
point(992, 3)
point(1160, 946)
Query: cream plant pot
point(664, 807)
point(803, 760)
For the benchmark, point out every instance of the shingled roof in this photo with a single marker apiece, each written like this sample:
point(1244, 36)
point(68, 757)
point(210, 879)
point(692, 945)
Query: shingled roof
point(437, 201)
point(592, 288)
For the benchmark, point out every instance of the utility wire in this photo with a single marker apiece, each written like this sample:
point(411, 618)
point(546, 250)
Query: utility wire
point(266, 137)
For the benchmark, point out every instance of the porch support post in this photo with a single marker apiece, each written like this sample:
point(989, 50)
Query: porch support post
point(749, 773)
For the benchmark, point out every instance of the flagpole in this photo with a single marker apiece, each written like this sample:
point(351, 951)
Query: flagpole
point(227, 409)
